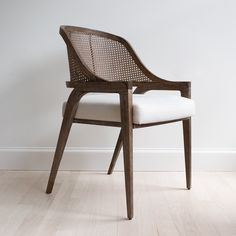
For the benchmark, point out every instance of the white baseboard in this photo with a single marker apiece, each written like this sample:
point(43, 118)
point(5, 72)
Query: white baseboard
point(99, 159)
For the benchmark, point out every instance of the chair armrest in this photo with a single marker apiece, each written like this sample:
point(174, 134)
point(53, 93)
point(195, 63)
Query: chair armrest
point(118, 87)
point(124, 89)
point(100, 87)
point(183, 86)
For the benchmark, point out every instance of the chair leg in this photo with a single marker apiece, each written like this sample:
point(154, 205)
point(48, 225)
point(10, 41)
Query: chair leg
point(64, 133)
point(127, 137)
point(69, 114)
point(115, 154)
point(128, 167)
point(187, 150)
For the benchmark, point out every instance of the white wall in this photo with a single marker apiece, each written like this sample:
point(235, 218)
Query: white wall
point(177, 40)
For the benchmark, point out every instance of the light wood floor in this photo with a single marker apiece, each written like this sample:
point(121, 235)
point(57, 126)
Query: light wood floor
point(94, 204)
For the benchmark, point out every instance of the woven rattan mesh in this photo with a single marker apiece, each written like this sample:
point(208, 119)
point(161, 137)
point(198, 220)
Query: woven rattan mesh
point(106, 58)
point(75, 70)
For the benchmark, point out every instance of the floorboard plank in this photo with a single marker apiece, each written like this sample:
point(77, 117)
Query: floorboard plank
point(93, 204)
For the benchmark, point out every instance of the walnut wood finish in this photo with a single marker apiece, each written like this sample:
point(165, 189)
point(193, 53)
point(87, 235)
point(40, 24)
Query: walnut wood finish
point(127, 134)
point(187, 150)
point(89, 75)
point(71, 107)
point(116, 153)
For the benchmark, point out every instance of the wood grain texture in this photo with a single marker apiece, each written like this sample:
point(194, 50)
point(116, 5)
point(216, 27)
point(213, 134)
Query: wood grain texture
point(71, 107)
point(127, 137)
point(187, 151)
point(92, 204)
point(116, 153)
point(99, 78)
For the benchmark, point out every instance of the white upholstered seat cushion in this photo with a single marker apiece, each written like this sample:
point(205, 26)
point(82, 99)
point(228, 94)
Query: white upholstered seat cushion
point(147, 108)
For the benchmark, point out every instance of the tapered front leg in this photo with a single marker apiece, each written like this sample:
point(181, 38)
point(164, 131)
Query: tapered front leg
point(69, 114)
point(119, 143)
point(127, 136)
point(116, 153)
point(187, 150)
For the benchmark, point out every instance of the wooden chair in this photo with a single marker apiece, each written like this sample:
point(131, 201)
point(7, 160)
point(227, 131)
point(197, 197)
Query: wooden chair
point(109, 84)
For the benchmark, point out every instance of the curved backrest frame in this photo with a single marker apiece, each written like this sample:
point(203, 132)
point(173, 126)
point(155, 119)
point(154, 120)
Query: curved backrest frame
point(89, 75)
